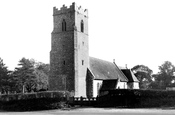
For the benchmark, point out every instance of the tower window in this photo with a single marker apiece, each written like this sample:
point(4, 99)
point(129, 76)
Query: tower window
point(64, 62)
point(82, 26)
point(63, 25)
point(82, 62)
point(83, 43)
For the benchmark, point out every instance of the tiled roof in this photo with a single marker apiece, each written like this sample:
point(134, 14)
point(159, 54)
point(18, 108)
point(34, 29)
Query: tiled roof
point(130, 75)
point(104, 70)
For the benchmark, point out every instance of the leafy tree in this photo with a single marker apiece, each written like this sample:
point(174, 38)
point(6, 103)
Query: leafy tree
point(42, 80)
point(154, 84)
point(165, 76)
point(44, 67)
point(31, 76)
point(143, 74)
point(42, 73)
point(24, 76)
point(4, 78)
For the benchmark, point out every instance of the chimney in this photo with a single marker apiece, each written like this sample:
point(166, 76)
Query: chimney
point(126, 66)
point(113, 60)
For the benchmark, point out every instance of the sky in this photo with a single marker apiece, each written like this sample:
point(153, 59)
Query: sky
point(130, 31)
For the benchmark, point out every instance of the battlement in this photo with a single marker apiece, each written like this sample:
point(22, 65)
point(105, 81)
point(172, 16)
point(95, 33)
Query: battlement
point(73, 7)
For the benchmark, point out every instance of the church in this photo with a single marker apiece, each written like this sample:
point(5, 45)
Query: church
point(71, 67)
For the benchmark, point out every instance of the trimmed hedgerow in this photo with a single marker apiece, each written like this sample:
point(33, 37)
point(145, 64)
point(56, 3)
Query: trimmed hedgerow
point(34, 101)
point(137, 98)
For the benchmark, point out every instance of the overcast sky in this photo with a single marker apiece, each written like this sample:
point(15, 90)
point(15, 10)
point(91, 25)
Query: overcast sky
point(130, 31)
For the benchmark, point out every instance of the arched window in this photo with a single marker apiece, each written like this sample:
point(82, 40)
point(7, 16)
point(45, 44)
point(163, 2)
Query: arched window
point(63, 25)
point(64, 62)
point(82, 62)
point(82, 26)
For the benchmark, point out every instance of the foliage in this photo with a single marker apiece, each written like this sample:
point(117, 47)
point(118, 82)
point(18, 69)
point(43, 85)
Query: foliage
point(42, 73)
point(137, 98)
point(31, 76)
point(4, 78)
point(165, 77)
point(42, 80)
point(143, 74)
point(34, 101)
point(44, 67)
point(24, 76)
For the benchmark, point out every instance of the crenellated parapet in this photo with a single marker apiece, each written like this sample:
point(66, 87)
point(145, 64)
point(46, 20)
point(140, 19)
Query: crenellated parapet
point(73, 7)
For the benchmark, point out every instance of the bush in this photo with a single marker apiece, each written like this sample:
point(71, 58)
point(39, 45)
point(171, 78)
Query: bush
point(33, 101)
point(137, 98)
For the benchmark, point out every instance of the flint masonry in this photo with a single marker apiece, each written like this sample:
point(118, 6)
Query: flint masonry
point(71, 68)
point(69, 56)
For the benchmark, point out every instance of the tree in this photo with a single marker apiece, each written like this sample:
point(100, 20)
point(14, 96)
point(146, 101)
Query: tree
point(24, 76)
point(165, 76)
point(44, 67)
point(42, 73)
point(154, 84)
point(143, 74)
point(4, 78)
point(31, 76)
point(42, 80)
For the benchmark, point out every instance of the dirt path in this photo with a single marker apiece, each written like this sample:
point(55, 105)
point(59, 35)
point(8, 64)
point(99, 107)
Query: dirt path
point(97, 111)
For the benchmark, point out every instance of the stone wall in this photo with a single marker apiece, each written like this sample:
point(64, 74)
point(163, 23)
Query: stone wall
point(69, 56)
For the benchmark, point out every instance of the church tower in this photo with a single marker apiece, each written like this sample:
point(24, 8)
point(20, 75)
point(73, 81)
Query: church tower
point(69, 56)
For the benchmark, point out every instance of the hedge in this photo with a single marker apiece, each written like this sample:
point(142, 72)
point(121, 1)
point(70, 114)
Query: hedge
point(33, 101)
point(136, 98)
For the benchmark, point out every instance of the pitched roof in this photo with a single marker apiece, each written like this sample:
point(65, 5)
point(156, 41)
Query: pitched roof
point(121, 67)
point(130, 75)
point(104, 70)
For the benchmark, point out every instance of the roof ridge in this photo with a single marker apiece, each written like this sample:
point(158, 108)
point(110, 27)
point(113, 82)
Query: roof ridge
point(101, 59)
point(121, 71)
point(134, 76)
point(105, 69)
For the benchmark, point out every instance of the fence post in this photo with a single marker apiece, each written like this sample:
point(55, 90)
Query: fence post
point(81, 100)
point(73, 100)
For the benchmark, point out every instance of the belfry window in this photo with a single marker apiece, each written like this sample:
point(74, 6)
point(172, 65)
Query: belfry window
point(82, 62)
point(64, 62)
point(63, 25)
point(82, 26)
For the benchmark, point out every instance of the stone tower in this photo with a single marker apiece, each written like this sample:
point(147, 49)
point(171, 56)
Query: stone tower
point(69, 56)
